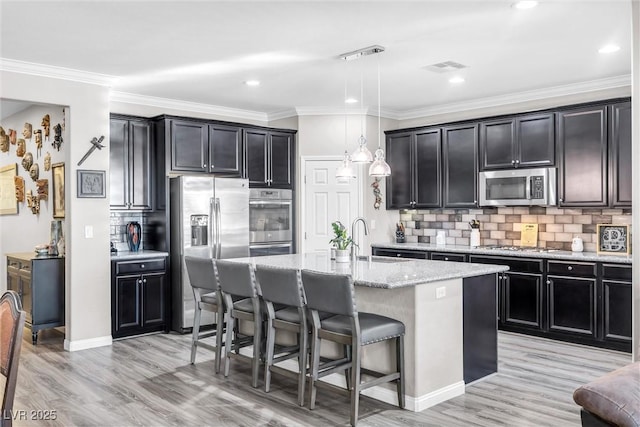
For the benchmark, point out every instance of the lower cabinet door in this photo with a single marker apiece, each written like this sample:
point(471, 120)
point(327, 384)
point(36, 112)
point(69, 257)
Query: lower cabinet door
point(522, 297)
point(127, 310)
point(153, 299)
point(572, 305)
point(617, 312)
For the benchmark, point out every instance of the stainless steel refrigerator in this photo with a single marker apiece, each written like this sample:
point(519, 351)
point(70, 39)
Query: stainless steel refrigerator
point(209, 217)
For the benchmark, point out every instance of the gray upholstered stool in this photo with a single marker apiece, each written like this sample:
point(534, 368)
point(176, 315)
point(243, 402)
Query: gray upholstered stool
point(203, 282)
point(283, 287)
point(238, 280)
point(335, 294)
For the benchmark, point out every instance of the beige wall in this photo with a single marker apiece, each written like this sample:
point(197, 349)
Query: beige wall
point(88, 289)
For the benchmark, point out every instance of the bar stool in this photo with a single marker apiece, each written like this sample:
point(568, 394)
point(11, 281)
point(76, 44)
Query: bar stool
point(203, 282)
point(238, 280)
point(283, 287)
point(335, 294)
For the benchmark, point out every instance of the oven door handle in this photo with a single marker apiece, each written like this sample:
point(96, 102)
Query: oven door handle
point(528, 187)
point(270, 245)
point(275, 203)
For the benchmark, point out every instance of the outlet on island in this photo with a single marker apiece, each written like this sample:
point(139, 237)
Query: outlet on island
point(441, 292)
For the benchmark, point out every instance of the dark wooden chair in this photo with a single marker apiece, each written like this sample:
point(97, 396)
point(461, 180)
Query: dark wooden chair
point(11, 326)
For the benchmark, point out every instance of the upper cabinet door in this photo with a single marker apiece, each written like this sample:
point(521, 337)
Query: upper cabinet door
point(620, 154)
point(427, 169)
point(536, 140)
point(140, 166)
point(225, 149)
point(255, 157)
point(189, 146)
point(497, 144)
point(118, 159)
point(281, 160)
point(582, 157)
point(460, 147)
point(400, 183)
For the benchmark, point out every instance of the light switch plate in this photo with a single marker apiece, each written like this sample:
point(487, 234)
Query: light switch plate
point(88, 231)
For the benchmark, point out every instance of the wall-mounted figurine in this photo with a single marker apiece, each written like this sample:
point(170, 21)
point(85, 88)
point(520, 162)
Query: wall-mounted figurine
point(12, 136)
point(46, 124)
point(47, 161)
point(34, 172)
point(38, 134)
point(4, 140)
point(27, 161)
point(42, 187)
point(19, 183)
point(33, 203)
point(57, 139)
point(21, 148)
point(27, 131)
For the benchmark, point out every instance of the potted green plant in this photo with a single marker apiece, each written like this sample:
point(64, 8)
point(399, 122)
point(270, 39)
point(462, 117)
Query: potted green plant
point(341, 241)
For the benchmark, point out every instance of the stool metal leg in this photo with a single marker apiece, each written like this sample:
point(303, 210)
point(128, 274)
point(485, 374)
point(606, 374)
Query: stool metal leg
point(315, 362)
point(228, 341)
point(271, 337)
point(355, 383)
point(257, 326)
point(400, 365)
point(219, 332)
point(196, 332)
point(303, 338)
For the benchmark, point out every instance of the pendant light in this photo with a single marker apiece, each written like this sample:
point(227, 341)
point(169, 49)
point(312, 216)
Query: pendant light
point(362, 153)
point(346, 169)
point(379, 167)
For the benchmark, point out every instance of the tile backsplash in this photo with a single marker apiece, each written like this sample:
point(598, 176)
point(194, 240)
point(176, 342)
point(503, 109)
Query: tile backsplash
point(501, 226)
point(118, 229)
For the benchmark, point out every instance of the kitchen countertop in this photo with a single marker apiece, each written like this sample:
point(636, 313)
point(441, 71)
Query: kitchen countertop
point(125, 255)
point(562, 255)
point(380, 272)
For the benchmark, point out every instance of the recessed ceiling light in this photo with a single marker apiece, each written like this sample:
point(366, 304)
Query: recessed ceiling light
point(525, 4)
point(252, 83)
point(610, 48)
point(456, 80)
point(350, 101)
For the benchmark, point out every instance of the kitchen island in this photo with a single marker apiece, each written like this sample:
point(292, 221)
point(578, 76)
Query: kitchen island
point(449, 310)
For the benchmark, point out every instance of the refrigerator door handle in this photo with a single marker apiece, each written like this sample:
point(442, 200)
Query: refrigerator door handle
point(211, 224)
point(218, 221)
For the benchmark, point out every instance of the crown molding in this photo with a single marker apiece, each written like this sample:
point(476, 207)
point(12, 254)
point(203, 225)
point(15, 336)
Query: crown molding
point(284, 114)
point(54, 72)
point(518, 97)
point(194, 107)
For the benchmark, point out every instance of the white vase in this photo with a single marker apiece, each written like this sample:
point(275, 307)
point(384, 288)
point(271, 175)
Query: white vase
point(342, 255)
point(474, 238)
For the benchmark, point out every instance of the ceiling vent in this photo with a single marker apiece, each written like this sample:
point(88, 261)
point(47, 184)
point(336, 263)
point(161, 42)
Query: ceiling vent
point(445, 67)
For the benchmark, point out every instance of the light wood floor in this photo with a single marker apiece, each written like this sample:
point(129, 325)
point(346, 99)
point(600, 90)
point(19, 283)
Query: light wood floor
point(149, 381)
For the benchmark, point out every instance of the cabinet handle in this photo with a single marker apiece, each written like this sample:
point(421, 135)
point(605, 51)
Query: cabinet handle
point(144, 280)
point(570, 268)
point(548, 282)
point(139, 281)
point(561, 200)
point(141, 265)
point(398, 255)
point(446, 258)
point(204, 165)
point(513, 162)
point(517, 162)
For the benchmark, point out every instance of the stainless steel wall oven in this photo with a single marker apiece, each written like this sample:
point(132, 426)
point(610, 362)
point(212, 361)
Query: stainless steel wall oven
point(270, 222)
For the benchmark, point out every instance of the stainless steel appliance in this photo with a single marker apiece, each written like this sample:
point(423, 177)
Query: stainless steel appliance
point(209, 217)
point(270, 222)
point(518, 187)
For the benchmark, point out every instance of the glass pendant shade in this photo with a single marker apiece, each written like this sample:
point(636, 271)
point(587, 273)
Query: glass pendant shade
point(379, 167)
point(362, 153)
point(345, 170)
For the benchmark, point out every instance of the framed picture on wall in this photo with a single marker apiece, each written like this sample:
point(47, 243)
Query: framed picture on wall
point(8, 199)
point(91, 184)
point(613, 239)
point(57, 183)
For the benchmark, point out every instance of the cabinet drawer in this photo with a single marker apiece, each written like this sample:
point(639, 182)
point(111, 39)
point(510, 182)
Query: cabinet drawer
point(140, 266)
point(567, 268)
point(521, 265)
point(616, 272)
point(444, 256)
point(400, 253)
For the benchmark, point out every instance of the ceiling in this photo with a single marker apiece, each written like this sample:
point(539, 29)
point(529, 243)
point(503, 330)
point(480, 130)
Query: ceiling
point(203, 52)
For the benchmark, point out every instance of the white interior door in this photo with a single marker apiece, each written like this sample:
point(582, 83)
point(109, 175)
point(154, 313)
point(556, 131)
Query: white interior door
point(326, 201)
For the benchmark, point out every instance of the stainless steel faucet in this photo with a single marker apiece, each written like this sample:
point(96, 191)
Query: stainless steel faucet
point(354, 248)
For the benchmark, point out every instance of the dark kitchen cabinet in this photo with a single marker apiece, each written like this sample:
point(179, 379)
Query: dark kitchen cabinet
point(130, 170)
point(616, 311)
point(415, 159)
point(207, 147)
point(268, 158)
point(620, 154)
point(572, 297)
point(582, 156)
point(447, 256)
point(460, 170)
point(39, 282)
point(138, 297)
point(399, 253)
point(522, 141)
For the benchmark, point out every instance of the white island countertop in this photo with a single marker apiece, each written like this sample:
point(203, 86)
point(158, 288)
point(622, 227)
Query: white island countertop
point(379, 272)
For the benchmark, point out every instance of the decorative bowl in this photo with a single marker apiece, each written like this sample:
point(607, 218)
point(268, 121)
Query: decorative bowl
point(42, 249)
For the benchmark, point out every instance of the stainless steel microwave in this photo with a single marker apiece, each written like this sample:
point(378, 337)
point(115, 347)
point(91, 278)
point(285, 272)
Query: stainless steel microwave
point(518, 187)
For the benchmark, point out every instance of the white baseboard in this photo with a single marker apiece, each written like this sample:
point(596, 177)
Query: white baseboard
point(88, 343)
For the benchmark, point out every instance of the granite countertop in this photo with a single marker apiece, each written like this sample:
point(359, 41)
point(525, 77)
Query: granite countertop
point(27, 256)
point(124, 255)
point(379, 272)
point(553, 254)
